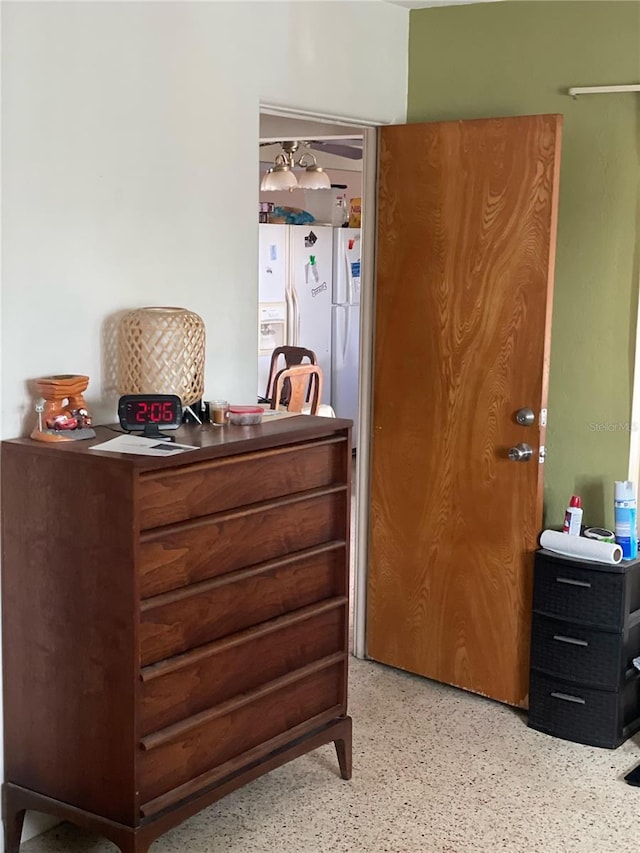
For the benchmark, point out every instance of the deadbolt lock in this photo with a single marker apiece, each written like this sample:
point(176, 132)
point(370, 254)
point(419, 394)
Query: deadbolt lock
point(525, 417)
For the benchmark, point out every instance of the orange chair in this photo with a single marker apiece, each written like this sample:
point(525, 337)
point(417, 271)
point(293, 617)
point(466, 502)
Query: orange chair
point(305, 383)
point(291, 356)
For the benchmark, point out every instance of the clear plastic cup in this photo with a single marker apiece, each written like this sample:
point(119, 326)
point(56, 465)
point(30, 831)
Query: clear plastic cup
point(218, 412)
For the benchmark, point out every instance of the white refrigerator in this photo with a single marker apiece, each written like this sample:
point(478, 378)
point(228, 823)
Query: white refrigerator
point(345, 323)
point(295, 293)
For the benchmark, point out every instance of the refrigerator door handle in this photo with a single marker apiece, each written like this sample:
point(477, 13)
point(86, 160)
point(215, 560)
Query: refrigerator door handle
point(342, 331)
point(347, 335)
point(295, 315)
point(289, 318)
point(349, 278)
point(291, 296)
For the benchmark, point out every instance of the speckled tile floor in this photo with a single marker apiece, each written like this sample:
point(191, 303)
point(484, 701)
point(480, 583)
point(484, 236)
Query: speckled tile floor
point(436, 770)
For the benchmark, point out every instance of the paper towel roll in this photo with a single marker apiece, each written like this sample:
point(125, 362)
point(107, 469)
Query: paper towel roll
point(580, 547)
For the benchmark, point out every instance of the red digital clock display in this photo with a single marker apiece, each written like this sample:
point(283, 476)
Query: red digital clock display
point(151, 412)
point(137, 411)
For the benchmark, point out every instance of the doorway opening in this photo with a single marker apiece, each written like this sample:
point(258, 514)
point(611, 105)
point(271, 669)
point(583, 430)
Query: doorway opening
point(340, 330)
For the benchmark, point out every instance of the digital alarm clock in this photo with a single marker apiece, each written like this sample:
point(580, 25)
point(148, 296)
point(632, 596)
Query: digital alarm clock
point(149, 412)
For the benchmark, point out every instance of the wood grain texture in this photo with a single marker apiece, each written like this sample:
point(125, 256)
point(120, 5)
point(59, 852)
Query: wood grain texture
point(177, 757)
point(267, 679)
point(210, 442)
point(185, 553)
point(211, 785)
point(167, 811)
point(187, 684)
point(466, 243)
point(208, 487)
point(177, 621)
point(68, 603)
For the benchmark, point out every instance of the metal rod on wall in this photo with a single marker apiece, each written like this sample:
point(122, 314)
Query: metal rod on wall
point(602, 90)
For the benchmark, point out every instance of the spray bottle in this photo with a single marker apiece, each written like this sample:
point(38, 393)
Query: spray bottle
point(573, 517)
point(625, 512)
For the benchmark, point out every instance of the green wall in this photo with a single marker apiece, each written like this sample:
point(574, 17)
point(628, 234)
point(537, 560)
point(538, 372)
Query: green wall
point(513, 58)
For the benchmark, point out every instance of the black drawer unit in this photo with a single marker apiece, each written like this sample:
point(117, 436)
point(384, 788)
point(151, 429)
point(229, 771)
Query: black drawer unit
point(585, 635)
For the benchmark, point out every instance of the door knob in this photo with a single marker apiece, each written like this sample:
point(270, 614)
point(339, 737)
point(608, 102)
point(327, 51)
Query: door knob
point(520, 453)
point(525, 417)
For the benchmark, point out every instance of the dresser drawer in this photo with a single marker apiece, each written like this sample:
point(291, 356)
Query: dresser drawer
point(591, 596)
point(580, 654)
point(188, 684)
point(177, 621)
point(177, 754)
point(204, 488)
point(584, 715)
point(185, 553)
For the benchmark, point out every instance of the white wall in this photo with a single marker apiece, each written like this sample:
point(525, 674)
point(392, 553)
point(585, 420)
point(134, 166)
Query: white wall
point(131, 171)
point(130, 166)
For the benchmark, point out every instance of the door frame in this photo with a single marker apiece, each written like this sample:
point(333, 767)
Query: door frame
point(370, 136)
point(634, 426)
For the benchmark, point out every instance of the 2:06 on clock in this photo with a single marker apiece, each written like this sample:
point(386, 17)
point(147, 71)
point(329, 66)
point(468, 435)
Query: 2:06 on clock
point(135, 411)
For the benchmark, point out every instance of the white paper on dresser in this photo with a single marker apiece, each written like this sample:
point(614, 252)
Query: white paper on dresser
point(140, 446)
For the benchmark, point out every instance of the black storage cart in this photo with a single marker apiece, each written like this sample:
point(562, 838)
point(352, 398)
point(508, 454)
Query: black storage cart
point(585, 635)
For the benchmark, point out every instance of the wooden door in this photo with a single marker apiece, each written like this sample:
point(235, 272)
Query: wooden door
point(466, 238)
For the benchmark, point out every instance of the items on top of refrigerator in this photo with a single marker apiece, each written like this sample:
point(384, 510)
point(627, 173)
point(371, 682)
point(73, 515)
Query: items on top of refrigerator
point(265, 209)
point(355, 212)
point(329, 207)
point(290, 216)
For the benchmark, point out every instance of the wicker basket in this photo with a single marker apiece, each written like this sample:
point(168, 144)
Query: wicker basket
point(161, 351)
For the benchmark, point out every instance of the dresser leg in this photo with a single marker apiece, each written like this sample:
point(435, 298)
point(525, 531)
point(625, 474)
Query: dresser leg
point(343, 749)
point(131, 842)
point(13, 816)
point(134, 846)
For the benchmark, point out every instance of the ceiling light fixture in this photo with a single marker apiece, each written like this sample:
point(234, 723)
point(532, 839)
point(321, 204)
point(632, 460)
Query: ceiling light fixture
point(280, 176)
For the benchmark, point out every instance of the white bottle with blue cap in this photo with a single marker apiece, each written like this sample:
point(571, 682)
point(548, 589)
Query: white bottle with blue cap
point(625, 510)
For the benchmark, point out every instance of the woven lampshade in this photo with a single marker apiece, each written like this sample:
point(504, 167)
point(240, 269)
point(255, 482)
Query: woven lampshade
point(161, 351)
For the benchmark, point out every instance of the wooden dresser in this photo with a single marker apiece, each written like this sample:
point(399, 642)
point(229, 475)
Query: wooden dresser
point(172, 627)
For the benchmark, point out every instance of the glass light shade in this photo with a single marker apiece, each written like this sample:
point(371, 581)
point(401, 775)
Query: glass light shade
point(278, 178)
point(265, 179)
point(314, 178)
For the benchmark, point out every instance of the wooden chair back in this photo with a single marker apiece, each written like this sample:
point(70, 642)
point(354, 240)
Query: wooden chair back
point(291, 356)
point(305, 382)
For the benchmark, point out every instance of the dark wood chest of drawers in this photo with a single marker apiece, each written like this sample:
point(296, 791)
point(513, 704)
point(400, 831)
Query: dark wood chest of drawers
point(172, 628)
point(585, 636)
